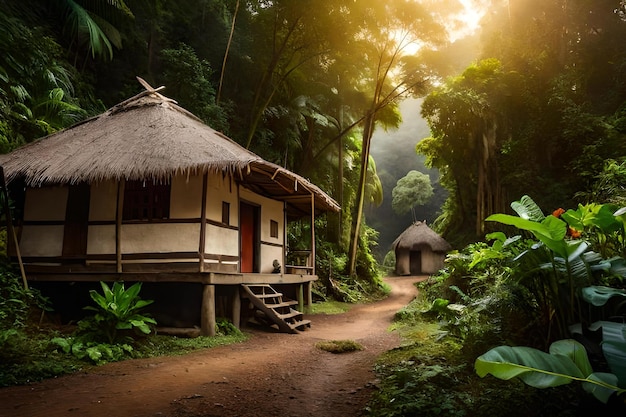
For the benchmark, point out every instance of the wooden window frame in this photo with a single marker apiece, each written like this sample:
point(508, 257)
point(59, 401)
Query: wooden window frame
point(226, 213)
point(145, 200)
point(274, 229)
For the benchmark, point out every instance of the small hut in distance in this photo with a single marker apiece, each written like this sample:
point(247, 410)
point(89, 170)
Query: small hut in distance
point(419, 250)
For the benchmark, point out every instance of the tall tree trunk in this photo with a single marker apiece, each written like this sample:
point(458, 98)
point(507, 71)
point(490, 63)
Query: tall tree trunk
point(230, 40)
point(355, 230)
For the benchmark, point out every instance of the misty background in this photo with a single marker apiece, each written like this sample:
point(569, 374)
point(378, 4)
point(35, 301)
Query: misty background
point(394, 153)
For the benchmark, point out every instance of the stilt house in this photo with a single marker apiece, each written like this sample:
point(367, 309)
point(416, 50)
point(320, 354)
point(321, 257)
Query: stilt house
point(419, 250)
point(146, 192)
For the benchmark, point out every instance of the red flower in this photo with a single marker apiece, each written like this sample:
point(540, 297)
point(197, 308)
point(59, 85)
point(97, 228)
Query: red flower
point(575, 234)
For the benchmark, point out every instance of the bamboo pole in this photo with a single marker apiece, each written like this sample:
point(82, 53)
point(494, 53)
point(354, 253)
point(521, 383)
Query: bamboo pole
point(10, 228)
point(312, 233)
point(202, 243)
point(118, 224)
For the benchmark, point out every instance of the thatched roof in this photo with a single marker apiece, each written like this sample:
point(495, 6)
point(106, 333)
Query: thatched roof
point(150, 137)
point(419, 235)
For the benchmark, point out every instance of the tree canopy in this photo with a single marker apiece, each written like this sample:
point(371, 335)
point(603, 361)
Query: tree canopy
point(412, 190)
point(305, 84)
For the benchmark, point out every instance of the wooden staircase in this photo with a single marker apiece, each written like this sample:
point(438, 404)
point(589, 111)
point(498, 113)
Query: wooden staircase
point(272, 309)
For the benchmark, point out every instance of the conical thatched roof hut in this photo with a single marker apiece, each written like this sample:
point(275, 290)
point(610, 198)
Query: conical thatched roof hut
point(419, 250)
point(149, 136)
point(146, 192)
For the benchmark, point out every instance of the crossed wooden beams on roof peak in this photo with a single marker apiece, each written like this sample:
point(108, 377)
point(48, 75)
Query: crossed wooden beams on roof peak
point(149, 90)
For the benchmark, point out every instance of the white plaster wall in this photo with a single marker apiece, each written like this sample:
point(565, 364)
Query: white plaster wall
point(45, 203)
point(219, 190)
point(42, 241)
point(186, 197)
point(268, 254)
point(103, 201)
point(270, 210)
point(221, 241)
point(101, 240)
point(160, 237)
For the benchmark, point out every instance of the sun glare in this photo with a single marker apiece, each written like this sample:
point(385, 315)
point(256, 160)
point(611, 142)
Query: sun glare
point(468, 19)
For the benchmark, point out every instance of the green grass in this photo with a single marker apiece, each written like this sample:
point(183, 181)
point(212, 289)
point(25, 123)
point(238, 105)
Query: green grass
point(30, 356)
point(160, 345)
point(339, 346)
point(329, 307)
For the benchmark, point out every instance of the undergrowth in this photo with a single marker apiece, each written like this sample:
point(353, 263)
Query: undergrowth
point(32, 349)
point(432, 374)
point(33, 356)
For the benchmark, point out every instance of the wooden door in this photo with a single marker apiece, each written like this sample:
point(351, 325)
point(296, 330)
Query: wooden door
point(415, 262)
point(249, 238)
point(76, 222)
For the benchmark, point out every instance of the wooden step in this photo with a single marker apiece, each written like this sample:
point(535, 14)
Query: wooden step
point(293, 313)
point(276, 294)
point(288, 303)
point(302, 323)
point(277, 313)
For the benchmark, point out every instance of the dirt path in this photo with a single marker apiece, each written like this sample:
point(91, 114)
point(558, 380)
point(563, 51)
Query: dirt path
point(269, 375)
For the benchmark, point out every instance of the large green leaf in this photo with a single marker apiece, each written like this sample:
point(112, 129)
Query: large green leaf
point(598, 295)
point(550, 231)
point(597, 215)
point(527, 208)
point(598, 388)
point(614, 347)
point(536, 368)
point(567, 362)
point(575, 351)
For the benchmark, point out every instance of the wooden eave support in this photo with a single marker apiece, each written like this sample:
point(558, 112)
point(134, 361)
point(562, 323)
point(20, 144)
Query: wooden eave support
point(312, 233)
point(202, 240)
point(118, 224)
point(10, 228)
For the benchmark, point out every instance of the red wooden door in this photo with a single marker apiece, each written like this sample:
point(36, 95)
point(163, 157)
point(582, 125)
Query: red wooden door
point(249, 237)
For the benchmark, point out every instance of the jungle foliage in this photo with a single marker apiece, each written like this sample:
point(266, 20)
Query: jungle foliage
point(273, 76)
point(33, 346)
point(542, 304)
point(539, 113)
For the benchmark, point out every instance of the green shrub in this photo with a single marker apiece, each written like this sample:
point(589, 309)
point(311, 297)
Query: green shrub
point(338, 346)
point(117, 314)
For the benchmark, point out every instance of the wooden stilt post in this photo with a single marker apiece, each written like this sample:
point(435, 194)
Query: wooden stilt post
point(207, 315)
point(301, 297)
point(237, 308)
point(118, 225)
point(309, 294)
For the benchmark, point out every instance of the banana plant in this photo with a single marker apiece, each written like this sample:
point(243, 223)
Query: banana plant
point(567, 361)
point(117, 309)
point(557, 265)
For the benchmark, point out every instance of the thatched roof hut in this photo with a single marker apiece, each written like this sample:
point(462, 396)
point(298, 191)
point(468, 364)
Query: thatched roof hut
point(149, 136)
point(419, 250)
point(146, 192)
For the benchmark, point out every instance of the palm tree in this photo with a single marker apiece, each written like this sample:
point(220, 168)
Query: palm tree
point(88, 25)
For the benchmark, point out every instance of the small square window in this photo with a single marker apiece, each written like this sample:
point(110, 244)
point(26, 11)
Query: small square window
point(225, 212)
point(146, 200)
point(273, 228)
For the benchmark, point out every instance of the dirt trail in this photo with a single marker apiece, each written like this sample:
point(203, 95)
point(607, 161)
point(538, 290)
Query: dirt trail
point(271, 374)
